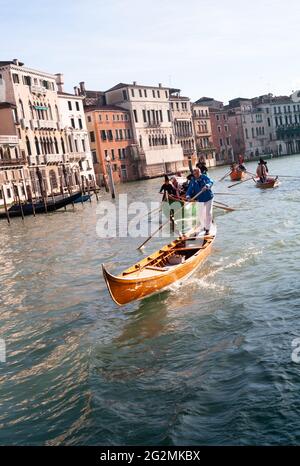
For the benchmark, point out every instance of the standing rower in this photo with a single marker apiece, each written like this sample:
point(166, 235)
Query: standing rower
point(201, 183)
point(262, 170)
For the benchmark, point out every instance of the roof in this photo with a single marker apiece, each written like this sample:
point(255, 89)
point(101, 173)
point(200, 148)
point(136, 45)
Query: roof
point(10, 62)
point(142, 86)
point(7, 105)
point(105, 108)
point(67, 94)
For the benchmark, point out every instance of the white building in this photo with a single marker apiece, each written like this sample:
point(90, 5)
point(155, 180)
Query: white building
point(181, 115)
point(39, 127)
point(259, 134)
point(73, 121)
point(149, 106)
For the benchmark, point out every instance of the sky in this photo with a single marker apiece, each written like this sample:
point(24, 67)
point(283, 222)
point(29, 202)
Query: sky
point(217, 48)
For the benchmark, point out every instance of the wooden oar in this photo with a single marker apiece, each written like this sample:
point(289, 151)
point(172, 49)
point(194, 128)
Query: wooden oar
point(239, 182)
point(164, 224)
point(221, 203)
point(223, 177)
point(225, 194)
point(228, 209)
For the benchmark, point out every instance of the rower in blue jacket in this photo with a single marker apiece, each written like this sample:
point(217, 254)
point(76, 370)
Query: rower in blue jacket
point(201, 184)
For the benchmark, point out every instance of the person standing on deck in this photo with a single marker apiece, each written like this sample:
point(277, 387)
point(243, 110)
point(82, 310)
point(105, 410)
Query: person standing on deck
point(167, 187)
point(262, 170)
point(201, 183)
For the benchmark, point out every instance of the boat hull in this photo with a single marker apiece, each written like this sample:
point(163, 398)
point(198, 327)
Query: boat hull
point(237, 175)
point(124, 289)
point(271, 183)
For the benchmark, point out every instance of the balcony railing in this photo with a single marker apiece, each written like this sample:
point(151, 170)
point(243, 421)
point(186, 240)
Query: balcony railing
point(9, 139)
point(40, 90)
point(10, 162)
point(153, 124)
point(77, 155)
point(53, 158)
point(47, 124)
point(188, 151)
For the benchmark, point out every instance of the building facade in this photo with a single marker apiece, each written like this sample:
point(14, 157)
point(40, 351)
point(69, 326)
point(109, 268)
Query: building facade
point(13, 171)
point(221, 135)
point(203, 134)
point(157, 152)
point(111, 141)
point(181, 115)
point(40, 129)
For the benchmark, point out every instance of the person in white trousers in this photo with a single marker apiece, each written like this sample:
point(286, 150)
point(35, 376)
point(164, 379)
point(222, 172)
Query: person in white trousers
point(200, 186)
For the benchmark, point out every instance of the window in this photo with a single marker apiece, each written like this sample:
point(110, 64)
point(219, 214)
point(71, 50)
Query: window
point(27, 80)
point(145, 92)
point(140, 92)
point(135, 116)
point(106, 117)
point(80, 123)
point(77, 105)
point(158, 94)
point(125, 95)
point(89, 119)
point(226, 128)
point(69, 105)
point(110, 135)
point(161, 115)
point(120, 154)
point(132, 92)
point(228, 141)
point(144, 116)
point(100, 117)
point(113, 154)
point(217, 117)
point(83, 144)
point(166, 94)
point(28, 146)
point(246, 133)
point(221, 142)
point(72, 123)
point(21, 108)
point(219, 129)
point(92, 136)
point(169, 115)
point(15, 78)
point(153, 93)
point(103, 135)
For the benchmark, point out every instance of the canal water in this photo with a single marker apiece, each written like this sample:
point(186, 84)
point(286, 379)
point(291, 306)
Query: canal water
point(207, 362)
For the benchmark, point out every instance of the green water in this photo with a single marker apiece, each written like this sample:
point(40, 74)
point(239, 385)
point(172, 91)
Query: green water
point(207, 362)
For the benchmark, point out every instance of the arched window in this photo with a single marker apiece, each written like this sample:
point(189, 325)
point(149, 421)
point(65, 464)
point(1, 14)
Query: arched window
point(53, 179)
point(21, 108)
point(51, 145)
point(28, 146)
point(150, 144)
point(37, 146)
point(70, 143)
point(1, 153)
point(47, 146)
point(57, 113)
point(31, 109)
point(55, 146)
point(50, 112)
point(63, 145)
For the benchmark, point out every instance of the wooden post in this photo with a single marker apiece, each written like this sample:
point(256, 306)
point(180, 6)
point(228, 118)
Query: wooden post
point(5, 204)
point(95, 190)
point(62, 190)
point(52, 194)
point(88, 187)
point(41, 183)
point(18, 199)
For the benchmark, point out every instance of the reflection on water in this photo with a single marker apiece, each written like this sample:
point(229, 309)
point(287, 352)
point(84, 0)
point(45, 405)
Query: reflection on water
point(205, 362)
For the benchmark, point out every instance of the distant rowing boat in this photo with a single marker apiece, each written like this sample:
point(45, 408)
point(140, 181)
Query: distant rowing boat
point(173, 262)
point(270, 183)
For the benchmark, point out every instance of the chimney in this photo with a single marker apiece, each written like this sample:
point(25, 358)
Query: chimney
point(159, 84)
point(76, 90)
point(134, 83)
point(16, 61)
point(60, 82)
point(82, 88)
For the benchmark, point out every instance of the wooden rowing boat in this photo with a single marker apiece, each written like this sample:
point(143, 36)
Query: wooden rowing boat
point(270, 183)
point(237, 175)
point(175, 261)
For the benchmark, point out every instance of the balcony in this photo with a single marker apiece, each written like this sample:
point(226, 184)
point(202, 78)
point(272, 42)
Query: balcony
point(12, 162)
point(153, 124)
point(188, 151)
point(54, 158)
point(47, 124)
point(77, 156)
point(24, 123)
point(39, 90)
point(11, 140)
point(288, 132)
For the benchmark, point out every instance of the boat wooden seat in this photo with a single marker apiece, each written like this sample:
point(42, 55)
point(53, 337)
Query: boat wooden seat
point(158, 269)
